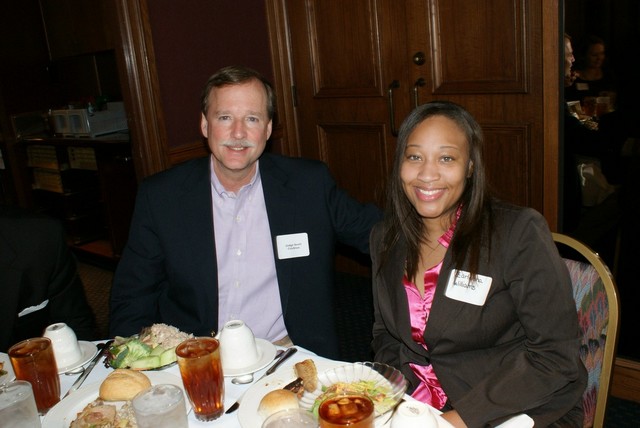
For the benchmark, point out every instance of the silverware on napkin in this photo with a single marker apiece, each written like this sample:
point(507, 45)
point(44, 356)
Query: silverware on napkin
point(288, 353)
point(102, 349)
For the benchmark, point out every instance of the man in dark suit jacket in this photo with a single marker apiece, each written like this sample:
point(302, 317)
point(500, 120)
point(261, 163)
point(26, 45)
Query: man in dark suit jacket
point(40, 282)
point(172, 265)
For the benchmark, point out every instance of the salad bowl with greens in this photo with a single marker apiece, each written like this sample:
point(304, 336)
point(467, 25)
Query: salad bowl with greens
point(383, 384)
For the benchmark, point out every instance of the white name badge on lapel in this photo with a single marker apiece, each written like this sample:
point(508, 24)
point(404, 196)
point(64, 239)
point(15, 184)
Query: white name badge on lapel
point(461, 288)
point(293, 245)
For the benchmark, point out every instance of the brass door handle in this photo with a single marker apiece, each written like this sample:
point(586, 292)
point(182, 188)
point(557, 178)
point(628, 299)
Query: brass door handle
point(392, 115)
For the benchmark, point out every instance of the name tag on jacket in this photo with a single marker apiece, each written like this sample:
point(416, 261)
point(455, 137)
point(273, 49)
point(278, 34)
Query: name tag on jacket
point(460, 287)
point(293, 245)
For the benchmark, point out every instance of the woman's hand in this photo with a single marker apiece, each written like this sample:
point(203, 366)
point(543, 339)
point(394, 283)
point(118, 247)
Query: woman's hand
point(454, 419)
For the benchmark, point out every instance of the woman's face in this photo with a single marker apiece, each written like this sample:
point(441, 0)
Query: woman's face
point(595, 55)
point(435, 167)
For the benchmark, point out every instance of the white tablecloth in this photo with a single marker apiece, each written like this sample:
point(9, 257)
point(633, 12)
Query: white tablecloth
point(232, 392)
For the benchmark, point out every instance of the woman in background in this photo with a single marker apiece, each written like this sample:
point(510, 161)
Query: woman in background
point(472, 300)
point(593, 78)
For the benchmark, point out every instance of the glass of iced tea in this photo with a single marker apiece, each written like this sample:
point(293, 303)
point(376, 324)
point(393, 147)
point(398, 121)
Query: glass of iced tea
point(33, 361)
point(353, 411)
point(201, 371)
point(589, 106)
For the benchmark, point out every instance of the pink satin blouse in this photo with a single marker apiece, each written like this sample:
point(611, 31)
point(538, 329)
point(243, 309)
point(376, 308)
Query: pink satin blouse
point(429, 391)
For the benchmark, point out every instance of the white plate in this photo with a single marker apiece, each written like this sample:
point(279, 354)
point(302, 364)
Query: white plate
point(88, 350)
point(353, 372)
point(63, 413)
point(267, 352)
point(248, 411)
point(7, 368)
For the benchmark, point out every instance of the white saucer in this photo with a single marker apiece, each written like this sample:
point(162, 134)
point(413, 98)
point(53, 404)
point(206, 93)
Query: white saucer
point(267, 352)
point(88, 350)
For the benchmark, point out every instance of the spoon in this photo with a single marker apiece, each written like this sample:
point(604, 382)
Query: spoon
point(75, 371)
point(248, 378)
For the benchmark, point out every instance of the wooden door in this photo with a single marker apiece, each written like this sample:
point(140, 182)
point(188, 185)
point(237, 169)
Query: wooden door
point(346, 67)
point(487, 56)
point(348, 60)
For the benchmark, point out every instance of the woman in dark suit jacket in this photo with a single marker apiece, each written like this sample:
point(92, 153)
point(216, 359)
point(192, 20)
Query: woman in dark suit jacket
point(472, 300)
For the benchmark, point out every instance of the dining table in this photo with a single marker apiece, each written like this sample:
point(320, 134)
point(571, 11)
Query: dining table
point(246, 416)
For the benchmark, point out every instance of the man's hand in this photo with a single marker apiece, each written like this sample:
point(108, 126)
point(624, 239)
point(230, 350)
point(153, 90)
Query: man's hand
point(568, 80)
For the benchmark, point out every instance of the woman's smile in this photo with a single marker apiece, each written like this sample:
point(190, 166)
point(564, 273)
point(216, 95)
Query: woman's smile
point(435, 167)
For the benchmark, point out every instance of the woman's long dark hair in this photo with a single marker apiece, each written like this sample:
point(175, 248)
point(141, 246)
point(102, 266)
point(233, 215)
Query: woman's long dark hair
point(402, 219)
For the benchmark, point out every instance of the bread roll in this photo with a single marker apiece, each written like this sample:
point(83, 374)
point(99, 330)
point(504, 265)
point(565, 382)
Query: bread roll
point(307, 371)
point(123, 385)
point(277, 400)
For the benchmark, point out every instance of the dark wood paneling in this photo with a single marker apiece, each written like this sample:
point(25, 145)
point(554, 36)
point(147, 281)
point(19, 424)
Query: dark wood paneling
point(347, 59)
point(507, 154)
point(479, 47)
point(356, 155)
point(76, 27)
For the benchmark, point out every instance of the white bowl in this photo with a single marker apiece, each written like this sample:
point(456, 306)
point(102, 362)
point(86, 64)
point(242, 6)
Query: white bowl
point(382, 378)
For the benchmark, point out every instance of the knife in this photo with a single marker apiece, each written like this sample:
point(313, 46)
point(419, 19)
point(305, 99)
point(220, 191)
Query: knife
point(288, 353)
point(102, 349)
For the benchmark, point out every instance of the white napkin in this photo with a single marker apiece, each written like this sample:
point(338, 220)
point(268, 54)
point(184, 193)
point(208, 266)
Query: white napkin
point(520, 421)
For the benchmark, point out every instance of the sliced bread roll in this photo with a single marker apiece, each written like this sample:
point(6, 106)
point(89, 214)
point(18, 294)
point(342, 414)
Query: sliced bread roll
point(123, 385)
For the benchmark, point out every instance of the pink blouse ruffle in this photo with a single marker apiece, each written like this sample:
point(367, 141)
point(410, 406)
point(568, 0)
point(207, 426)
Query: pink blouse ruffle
point(429, 391)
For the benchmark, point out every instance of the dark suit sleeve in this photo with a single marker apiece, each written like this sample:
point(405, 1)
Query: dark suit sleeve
point(136, 283)
point(352, 220)
point(385, 346)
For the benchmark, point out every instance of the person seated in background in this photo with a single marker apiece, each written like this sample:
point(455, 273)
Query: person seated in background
point(39, 277)
point(595, 86)
point(472, 301)
point(592, 77)
point(595, 224)
point(580, 138)
point(241, 234)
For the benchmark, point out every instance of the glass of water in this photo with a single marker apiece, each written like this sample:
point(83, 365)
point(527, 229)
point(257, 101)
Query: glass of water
point(161, 406)
point(18, 405)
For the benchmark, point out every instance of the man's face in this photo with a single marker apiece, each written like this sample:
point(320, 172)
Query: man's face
point(237, 127)
point(568, 57)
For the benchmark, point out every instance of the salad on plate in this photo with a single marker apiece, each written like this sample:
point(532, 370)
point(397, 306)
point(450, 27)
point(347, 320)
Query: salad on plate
point(152, 349)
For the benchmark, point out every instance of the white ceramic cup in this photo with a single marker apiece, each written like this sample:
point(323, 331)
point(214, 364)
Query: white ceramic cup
point(66, 348)
point(413, 414)
point(238, 347)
